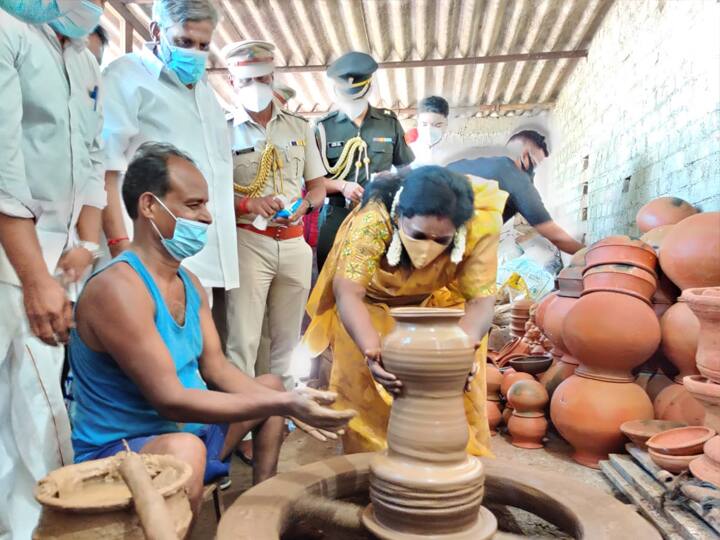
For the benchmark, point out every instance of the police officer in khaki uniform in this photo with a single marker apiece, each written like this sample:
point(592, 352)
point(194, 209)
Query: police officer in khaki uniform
point(274, 157)
point(355, 141)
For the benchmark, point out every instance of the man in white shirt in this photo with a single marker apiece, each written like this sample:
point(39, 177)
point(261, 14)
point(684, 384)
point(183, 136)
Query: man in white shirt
point(51, 182)
point(161, 94)
point(434, 145)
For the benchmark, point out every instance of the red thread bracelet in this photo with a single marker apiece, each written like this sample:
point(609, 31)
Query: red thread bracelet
point(242, 206)
point(114, 241)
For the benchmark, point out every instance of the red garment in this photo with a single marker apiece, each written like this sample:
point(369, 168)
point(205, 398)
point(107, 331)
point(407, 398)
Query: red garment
point(411, 135)
point(310, 224)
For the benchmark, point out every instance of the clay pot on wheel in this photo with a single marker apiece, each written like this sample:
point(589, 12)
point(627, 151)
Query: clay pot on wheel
point(588, 414)
point(610, 333)
point(663, 211)
point(690, 254)
point(677, 404)
point(705, 304)
point(680, 333)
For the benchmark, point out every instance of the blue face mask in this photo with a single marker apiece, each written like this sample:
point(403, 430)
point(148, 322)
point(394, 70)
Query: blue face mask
point(188, 239)
point(32, 12)
point(188, 64)
point(79, 21)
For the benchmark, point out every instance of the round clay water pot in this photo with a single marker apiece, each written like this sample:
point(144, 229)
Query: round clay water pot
point(681, 441)
point(494, 415)
point(512, 377)
point(620, 278)
point(657, 383)
point(588, 414)
point(554, 318)
point(527, 396)
point(680, 330)
point(493, 380)
point(707, 393)
point(542, 309)
point(666, 292)
point(690, 254)
point(673, 464)
point(531, 364)
point(527, 431)
point(663, 211)
point(610, 333)
point(677, 404)
point(639, 431)
point(655, 237)
point(557, 373)
point(621, 250)
point(705, 304)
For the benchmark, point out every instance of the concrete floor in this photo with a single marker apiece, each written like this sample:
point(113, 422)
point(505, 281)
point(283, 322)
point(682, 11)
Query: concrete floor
point(300, 449)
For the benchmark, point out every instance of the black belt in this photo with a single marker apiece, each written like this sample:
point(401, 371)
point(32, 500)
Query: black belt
point(336, 200)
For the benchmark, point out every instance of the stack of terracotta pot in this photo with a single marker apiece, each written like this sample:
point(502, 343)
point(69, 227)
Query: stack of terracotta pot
point(519, 315)
point(494, 406)
point(534, 338)
point(610, 329)
point(675, 449)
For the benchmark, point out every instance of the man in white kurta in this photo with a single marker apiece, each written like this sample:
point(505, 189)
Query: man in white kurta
point(145, 100)
point(50, 173)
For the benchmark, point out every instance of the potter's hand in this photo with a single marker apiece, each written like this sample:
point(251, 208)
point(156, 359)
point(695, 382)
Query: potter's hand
point(307, 406)
point(388, 381)
point(471, 376)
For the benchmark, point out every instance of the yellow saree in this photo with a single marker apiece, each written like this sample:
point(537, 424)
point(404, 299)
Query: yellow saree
point(359, 255)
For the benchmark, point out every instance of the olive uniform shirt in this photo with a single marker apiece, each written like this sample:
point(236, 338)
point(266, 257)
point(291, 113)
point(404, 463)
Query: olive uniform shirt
point(384, 135)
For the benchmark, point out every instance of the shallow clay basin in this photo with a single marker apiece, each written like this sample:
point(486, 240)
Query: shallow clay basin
point(673, 464)
point(639, 431)
point(684, 441)
point(531, 364)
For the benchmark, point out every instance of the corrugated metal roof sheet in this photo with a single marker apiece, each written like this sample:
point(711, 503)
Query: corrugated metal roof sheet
point(315, 32)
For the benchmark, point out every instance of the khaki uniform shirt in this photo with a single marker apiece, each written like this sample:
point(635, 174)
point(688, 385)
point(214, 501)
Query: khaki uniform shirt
point(295, 141)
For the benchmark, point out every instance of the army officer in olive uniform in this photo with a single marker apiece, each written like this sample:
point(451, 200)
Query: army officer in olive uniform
point(355, 141)
point(274, 158)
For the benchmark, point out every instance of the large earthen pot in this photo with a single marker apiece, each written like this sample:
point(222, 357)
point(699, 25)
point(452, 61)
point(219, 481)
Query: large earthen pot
point(663, 211)
point(680, 333)
point(90, 500)
point(511, 377)
point(610, 334)
point(588, 414)
point(554, 318)
point(653, 383)
point(690, 254)
point(707, 393)
point(705, 304)
point(677, 404)
point(655, 237)
point(542, 309)
point(558, 372)
point(426, 458)
point(621, 250)
point(527, 397)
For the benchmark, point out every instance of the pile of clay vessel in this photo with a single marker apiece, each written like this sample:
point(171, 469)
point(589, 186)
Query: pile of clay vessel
point(603, 330)
point(673, 450)
point(519, 315)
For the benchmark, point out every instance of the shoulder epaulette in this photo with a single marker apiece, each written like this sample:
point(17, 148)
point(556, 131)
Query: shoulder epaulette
point(295, 115)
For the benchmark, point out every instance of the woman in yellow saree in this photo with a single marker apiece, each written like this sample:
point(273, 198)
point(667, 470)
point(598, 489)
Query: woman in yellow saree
point(429, 238)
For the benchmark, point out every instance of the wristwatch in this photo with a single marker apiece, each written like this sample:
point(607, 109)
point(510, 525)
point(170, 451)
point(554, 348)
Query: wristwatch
point(92, 247)
point(311, 206)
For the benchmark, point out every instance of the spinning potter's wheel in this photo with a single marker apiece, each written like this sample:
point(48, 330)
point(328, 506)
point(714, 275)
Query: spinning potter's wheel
point(424, 486)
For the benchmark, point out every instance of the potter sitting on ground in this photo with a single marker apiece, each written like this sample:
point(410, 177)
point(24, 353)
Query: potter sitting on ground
point(426, 239)
point(145, 349)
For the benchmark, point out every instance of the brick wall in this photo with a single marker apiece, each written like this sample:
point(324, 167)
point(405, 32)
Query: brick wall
point(639, 118)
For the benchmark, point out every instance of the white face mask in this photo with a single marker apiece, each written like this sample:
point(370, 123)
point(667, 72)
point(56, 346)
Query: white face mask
point(255, 97)
point(430, 135)
point(352, 108)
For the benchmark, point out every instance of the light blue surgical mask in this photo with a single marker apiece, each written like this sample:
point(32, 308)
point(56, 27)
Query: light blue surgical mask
point(78, 22)
point(32, 12)
point(188, 64)
point(188, 239)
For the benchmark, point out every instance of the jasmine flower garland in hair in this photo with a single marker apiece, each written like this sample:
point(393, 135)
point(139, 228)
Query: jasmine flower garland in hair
point(456, 256)
point(395, 249)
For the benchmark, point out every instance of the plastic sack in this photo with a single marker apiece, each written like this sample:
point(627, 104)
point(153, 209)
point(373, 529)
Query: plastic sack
point(522, 276)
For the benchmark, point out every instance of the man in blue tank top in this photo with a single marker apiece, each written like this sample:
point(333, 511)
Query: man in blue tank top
point(146, 356)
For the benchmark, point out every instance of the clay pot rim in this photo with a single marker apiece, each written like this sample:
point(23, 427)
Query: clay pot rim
point(634, 294)
point(700, 300)
point(632, 270)
point(672, 457)
point(703, 435)
point(698, 386)
point(409, 313)
point(619, 240)
point(697, 472)
point(46, 488)
point(628, 428)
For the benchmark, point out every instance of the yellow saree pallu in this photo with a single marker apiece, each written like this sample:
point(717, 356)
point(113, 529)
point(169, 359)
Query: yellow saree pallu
point(359, 255)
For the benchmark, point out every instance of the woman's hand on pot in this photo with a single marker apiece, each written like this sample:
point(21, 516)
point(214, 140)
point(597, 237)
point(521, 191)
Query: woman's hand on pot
point(388, 381)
